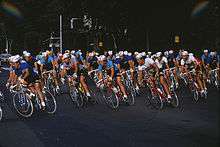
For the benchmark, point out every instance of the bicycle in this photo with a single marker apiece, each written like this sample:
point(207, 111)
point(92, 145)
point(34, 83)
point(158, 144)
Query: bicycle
point(24, 100)
point(49, 83)
point(129, 87)
point(214, 78)
point(108, 92)
point(0, 113)
point(156, 95)
point(75, 95)
point(2, 98)
point(172, 79)
point(192, 84)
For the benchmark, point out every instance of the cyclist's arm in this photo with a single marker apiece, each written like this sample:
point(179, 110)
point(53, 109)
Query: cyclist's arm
point(25, 73)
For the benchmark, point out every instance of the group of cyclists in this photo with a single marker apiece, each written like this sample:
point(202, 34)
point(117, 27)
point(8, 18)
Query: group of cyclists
point(111, 67)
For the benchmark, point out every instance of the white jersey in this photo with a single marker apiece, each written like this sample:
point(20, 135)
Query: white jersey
point(73, 59)
point(162, 62)
point(147, 63)
point(190, 60)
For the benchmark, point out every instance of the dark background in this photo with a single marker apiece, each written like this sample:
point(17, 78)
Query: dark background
point(161, 20)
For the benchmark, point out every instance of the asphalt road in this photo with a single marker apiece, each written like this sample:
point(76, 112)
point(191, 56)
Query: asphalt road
point(190, 125)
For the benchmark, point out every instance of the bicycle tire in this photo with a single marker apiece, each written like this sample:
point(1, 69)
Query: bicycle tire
point(110, 98)
point(131, 96)
point(155, 100)
point(51, 105)
point(76, 97)
point(29, 110)
point(195, 93)
point(174, 100)
point(0, 113)
point(2, 97)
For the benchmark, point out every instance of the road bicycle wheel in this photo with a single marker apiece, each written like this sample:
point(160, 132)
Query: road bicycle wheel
point(50, 87)
point(76, 97)
point(155, 99)
point(2, 98)
point(195, 92)
point(0, 113)
point(110, 98)
point(174, 100)
point(23, 104)
point(51, 105)
point(131, 94)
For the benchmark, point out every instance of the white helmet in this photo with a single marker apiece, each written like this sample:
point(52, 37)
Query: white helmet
point(212, 53)
point(129, 54)
point(110, 53)
point(136, 53)
point(125, 53)
point(171, 52)
point(206, 51)
point(44, 54)
point(121, 53)
point(143, 54)
point(102, 57)
point(27, 54)
point(66, 55)
point(117, 56)
point(139, 56)
point(149, 53)
point(185, 53)
point(15, 58)
point(73, 52)
point(158, 54)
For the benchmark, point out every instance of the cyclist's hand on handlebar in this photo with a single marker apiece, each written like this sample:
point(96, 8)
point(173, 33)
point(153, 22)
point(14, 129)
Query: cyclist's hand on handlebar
point(109, 79)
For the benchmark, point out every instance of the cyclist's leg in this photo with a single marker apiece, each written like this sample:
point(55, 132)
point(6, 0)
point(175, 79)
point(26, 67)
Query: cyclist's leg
point(165, 86)
point(121, 86)
point(84, 85)
point(54, 76)
point(38, 89)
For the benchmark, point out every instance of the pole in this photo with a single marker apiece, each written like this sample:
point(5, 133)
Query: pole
point(6, 45)
point(61, 35)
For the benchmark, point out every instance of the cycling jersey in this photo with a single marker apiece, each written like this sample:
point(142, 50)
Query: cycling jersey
point(69, 68)
point(161, 64)
point(189, 62)
point(109, 66)
point(33, 76)
point(206, 59)
point(171, 59)
point(93, 62)
point(48, 63)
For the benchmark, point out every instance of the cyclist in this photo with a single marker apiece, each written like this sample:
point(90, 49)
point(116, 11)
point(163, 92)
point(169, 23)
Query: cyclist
point(112, 71)
point(172, 62)
point(48, 63)
point(189, 63)
point(206, 61)
point(162, 64)
point(79, 66)
point(26, 75)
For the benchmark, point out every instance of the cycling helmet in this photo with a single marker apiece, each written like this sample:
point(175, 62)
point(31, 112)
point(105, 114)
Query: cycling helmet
point(15, 58)
point(66, 55)
point(158, 54)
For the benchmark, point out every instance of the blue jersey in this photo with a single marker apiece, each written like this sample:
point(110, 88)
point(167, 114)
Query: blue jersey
point(109, 65)
point(206, 59)
point(24, 66)
point(129, 58)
